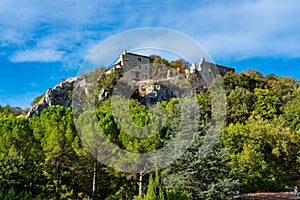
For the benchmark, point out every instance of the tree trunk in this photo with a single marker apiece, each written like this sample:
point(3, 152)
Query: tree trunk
point(58, 177)
point(123, 196)
point(141, 184)
point(95, 179)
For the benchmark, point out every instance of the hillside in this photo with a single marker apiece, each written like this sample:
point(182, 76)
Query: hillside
point(54, 153)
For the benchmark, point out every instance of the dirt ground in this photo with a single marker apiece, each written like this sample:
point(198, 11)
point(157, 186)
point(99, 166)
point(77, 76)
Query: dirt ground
point(268, 196)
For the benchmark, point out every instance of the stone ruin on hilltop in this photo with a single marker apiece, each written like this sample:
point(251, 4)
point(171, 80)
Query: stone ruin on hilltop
point(153, 82)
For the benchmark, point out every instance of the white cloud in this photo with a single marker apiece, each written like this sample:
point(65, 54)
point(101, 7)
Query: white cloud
point(46, 31)
point(66, 31)
point(11, 36)
point(236, 29)
point(246, 28)
point(38, 55)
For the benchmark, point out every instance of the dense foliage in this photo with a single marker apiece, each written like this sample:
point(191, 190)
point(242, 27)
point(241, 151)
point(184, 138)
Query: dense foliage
point(43, 157)
point(262, 133)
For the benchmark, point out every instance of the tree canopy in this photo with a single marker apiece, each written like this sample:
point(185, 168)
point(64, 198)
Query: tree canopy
point(45, 157)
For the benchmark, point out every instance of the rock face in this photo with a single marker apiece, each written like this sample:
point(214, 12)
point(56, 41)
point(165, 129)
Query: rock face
point(149, 93)
point(61, 94)
point(103, 95)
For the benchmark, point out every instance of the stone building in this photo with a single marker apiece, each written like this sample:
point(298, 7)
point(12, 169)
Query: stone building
point(206, 72)
point(138, 67)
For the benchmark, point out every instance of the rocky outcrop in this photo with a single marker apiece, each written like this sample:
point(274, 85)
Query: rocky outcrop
point(150, 93)
point(61, 94)
point(147, 93)
point(103, 95)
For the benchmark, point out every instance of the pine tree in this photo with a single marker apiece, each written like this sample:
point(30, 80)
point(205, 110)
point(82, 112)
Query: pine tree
point(202, 173)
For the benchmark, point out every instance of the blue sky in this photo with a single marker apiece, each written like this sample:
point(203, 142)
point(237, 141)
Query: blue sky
point(43, 41)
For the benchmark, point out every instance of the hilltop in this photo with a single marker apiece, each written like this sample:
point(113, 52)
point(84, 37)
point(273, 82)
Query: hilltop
point(155, 79)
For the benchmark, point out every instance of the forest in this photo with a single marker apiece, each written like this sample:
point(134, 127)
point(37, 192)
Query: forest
point(43, 157)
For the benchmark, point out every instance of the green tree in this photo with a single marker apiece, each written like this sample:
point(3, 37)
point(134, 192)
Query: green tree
point(266, 105)
point(6, 112)
point(248, 80)
point(202, 173)
point(95, 129)
point(284, 88)
point(240, 105)
point(20, 170)
point(264, 152)
point(205, 108)
point(140, 130)
point(291, 112)
point(156, 189)
point(90, 127)
point(56, 132)
point(91, 134)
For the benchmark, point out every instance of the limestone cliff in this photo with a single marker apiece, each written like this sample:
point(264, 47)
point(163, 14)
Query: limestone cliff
point(147, 92)
point(60, 94)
